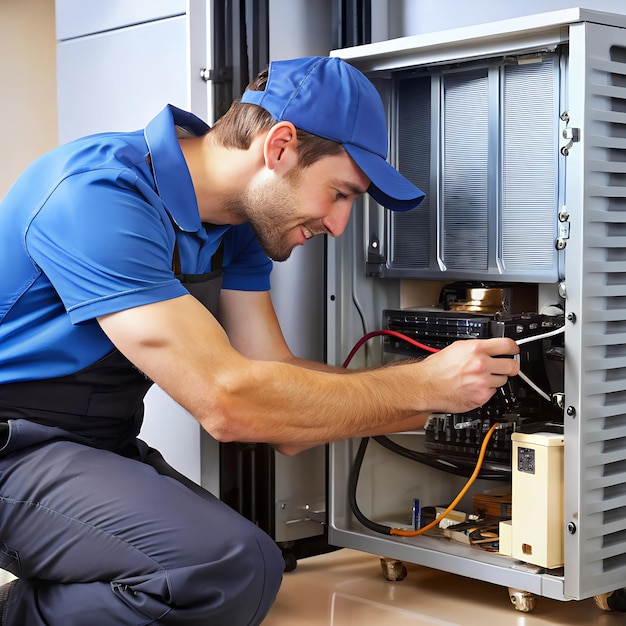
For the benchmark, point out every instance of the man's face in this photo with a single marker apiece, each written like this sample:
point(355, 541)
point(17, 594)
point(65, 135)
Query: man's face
point(285, 211)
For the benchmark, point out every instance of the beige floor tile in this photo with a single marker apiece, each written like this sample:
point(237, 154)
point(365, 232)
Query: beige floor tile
point(347, 588)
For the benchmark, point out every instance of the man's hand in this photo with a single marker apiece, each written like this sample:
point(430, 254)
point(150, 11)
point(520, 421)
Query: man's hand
point(467, 373)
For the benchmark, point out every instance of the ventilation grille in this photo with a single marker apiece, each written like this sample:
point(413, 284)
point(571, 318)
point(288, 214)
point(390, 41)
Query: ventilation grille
point(529, 167)
point(481, 142)
point(603, 360)
point(411, 239)
point(465, 198)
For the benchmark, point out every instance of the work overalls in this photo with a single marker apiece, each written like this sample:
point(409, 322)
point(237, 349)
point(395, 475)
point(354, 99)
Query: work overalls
point(99, 529)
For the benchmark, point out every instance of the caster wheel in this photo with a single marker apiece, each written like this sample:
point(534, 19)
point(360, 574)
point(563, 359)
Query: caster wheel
point(612, 601)
point(522, 600)
point(290, 561)
point(393, 570)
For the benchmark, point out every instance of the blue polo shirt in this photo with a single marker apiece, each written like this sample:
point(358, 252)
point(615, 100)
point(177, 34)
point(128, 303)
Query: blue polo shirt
point(89, 229)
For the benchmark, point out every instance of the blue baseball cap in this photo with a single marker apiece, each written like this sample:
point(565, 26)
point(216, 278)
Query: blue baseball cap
point(330, 98)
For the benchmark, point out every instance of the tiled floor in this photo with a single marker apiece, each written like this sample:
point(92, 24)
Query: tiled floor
point(347, 588)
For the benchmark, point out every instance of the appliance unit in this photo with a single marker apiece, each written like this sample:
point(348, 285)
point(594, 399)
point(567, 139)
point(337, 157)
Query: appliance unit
point(516, 131)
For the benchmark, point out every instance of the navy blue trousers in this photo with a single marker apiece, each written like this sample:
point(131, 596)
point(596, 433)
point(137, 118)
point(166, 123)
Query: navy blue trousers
point(99, 539)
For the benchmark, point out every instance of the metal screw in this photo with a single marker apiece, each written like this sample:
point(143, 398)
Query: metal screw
point(571, 411)
point(571, 528)
point(571, 317)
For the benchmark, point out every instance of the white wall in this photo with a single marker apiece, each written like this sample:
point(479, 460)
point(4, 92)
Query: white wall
point(299, 28)
point(28, 105)
point(415, 17)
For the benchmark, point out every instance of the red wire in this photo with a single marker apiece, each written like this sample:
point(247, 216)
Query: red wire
point(412, 533)
point(393, 333)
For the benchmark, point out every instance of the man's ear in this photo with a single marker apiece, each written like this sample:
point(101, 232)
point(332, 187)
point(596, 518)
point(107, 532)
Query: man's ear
point(280, 147)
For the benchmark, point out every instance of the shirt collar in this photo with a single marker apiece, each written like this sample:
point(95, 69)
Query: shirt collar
point(171, 174)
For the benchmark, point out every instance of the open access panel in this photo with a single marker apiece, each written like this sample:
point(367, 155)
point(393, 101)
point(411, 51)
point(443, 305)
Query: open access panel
point(516, 131)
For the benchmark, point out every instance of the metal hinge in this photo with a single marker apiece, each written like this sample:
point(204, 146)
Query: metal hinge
point(219, 75)
point(571, 134)
point(563, 234)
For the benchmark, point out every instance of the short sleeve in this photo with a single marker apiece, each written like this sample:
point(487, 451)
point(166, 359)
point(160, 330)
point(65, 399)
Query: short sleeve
point(104, 244)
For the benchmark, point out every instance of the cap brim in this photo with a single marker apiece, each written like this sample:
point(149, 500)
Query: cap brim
point(388, 187)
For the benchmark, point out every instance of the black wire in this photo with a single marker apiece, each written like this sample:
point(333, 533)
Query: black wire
point(355, 470)
point(458, 467)
point(427, 459)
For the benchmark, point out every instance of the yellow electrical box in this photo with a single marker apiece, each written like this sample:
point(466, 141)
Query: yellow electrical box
point(537, 499)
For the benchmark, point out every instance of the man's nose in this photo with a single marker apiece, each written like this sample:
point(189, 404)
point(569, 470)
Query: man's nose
point(337, 220)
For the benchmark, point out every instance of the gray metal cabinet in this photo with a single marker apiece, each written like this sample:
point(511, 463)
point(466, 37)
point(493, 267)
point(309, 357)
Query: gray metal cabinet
point(585, 208)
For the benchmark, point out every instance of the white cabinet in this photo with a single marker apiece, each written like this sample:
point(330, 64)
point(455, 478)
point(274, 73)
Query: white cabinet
point(77, 18)
point(120, 79)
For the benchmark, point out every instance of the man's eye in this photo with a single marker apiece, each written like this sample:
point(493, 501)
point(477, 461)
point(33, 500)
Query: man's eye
point(341, 196)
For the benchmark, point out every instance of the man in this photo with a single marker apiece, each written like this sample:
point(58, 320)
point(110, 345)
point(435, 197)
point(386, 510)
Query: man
point(102, 244)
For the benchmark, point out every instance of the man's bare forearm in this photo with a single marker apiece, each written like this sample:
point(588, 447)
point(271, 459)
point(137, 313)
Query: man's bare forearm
point(238, 398)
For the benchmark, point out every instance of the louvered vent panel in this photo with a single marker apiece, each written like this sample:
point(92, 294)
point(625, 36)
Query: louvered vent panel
point(465, 171)
point(529, 166)
point(603, 375)
point(411, 231)
point(481, 141)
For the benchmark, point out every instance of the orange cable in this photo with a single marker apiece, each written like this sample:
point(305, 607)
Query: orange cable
point(483, 448)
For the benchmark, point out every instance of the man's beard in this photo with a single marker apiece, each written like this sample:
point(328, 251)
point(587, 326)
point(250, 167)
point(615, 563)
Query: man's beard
point(272, 240)
point(267, 209)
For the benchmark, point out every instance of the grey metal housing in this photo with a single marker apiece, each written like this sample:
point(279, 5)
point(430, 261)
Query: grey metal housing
point(587, 261)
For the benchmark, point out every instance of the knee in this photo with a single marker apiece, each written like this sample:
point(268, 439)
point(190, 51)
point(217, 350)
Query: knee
point(247, 569)
point(273, 560)
point(266, 563)
point(231, 578)
point(258, 567)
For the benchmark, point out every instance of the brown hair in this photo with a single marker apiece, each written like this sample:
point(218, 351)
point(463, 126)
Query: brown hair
point(243, 122)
